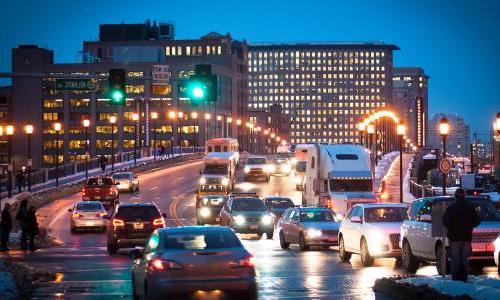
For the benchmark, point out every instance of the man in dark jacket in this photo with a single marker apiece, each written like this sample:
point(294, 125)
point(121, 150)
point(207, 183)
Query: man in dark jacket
point(24, 222)
point(103, 161)
point(460, 218)
point(32, 227)
point(5, 228)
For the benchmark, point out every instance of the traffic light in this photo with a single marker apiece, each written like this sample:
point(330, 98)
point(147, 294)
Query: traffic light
point(200, 87)
point(116, 88)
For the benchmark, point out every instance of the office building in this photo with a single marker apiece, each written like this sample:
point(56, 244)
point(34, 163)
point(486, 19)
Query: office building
point(5, 119)
point(274, 127)
point(458, 139)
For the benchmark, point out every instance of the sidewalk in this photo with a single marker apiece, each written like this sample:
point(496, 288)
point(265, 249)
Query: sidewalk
point(391, 192)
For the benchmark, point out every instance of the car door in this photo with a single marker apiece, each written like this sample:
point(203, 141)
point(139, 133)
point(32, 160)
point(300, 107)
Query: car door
point(423, 231)
point(349, 239)
point(356, 230)
point(140, 265)
point(295, 226)
point(345, 227)
point(282, 222)
point(289, 226)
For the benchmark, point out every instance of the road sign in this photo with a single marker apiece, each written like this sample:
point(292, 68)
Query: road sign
point(161, 75)
point(445, 165)
point(81, 84)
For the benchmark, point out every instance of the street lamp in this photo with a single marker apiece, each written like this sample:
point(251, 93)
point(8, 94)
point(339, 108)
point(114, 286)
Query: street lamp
point(444, 129)
point(29, 131)
point(207, 120)
point(194, 117)
point(401, 128)
point(135, 118)
point(9, 130)
point(154, 116)
point(362, 129)
point(86, 124)
point(229, 121)
point(57, 128)
point(180, 115)
point(219, 119)
point(112, 121)
point(172, 115)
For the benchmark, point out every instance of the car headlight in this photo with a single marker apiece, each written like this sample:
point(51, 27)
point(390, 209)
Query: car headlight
point(205, 200)
point(270, 168)
point(225, 181)
point(376, 242)
point(338, 217)
point(205, 212)
point(313, 233)
point(286, 168)
point(267, 220)
point(297, 180)
point(239, 220)
point(246, 169)
point(294, 161)
point(203, 180)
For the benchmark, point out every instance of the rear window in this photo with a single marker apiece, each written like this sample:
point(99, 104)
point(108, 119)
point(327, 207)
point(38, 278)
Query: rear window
point(102, 181)
point(248, 205)
point(121, 176)
point(279, 203)
point(257, 161)
point(89, 206)
point(201, 240)
point(144, 213)
point(385, 214)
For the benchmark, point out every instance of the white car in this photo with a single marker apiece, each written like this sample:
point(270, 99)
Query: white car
point(371, 230)
point(258, 167)
point(496, 255)
point(126, 181)
point(88, 215)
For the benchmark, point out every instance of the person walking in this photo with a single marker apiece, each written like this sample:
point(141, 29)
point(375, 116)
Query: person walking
point(460, 218)
point(20, 181)
point(22, 217)
point(103, 161)
point(32, 227)
point(5, 228)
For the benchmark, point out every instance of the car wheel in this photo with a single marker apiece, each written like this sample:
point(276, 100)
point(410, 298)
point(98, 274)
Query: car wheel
point(259, 235)
point(366, 258)
point(302, 242)
point(112, 248)
point(399, 261)
point(283, 243)
point(343, 254)
point(270, 234)
point(439, 261)
point(409, 262)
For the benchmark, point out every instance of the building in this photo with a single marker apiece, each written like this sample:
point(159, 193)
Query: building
point(458, 139)
point(410, 99)
point(5, 119)
point(38, 101)
point(328, 87)
point(274, 127)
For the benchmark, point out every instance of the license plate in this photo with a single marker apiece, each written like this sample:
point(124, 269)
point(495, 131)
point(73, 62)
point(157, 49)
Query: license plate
point(90, 223)
point(479, 246)
point(138, 226)
point(254, 226)
point(97, 197)
point(217, 219)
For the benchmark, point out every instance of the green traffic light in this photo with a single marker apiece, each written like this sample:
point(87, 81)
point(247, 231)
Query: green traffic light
point(117, 96)
point(198, 92)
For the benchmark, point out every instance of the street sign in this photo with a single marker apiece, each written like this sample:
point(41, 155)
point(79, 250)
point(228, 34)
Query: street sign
point(161, 75)
point(445, 165)
point(81, 84)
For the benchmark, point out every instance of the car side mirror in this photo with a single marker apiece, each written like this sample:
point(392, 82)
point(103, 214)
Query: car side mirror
point(136, 253)
point(356, 219)
point(425, 218)
point(70, 209)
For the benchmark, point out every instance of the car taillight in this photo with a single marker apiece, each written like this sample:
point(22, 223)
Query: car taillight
point(111, 191)
point(103, 214)
point(77, 215)
point(160, 265)
point(159, 222)
point(118, 223)
point(327, 202)
point(248, 262)
point(83, 192)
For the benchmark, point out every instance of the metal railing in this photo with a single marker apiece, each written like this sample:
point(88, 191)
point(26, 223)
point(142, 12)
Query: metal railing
point(419, 190)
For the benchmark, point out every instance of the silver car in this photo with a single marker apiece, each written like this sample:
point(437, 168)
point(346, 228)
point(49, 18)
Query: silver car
point(193, 261)
point(308, 226)
point(126, 181)
point(88, 215)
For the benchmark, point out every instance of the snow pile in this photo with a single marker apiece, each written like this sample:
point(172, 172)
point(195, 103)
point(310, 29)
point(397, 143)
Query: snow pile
point(477, 287)
point(7, 286)
point(408, 197)
point(383, 166)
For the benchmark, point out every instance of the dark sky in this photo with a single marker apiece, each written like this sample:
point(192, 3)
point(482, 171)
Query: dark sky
point(456, 42)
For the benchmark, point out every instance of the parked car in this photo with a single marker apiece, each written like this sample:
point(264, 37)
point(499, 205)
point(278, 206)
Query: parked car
point(247, 214)
point(372, 230)
point(131, 225)
point(183, 261)
point(126, 181)
point(87, 215)
point(208, 209)
point(101, 189)
point(418, 244)
point(277, 205)
point(308, 226)
point(257, 167)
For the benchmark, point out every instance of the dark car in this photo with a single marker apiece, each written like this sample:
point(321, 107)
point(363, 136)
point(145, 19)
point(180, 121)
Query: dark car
point(208, 209)
point(277, 205)
point(101, 189)
point(131, 225)
point(281, 166)
point(247, 214)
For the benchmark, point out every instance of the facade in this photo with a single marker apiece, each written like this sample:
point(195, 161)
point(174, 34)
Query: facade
point(277, 125)
point(5, 119)
point(329, 88)
point(410, 99)
point(37, 101)
point(458, 139)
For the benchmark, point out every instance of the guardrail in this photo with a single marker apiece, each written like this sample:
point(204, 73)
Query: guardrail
point(419, 190)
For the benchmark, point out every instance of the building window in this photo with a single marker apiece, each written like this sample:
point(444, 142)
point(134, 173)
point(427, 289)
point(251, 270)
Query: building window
point(134, 89)
point(51, 159)
point(51, 116)
point(79, 102)
point(57, 103)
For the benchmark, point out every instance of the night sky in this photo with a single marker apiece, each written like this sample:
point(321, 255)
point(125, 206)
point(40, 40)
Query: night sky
point(456, 42)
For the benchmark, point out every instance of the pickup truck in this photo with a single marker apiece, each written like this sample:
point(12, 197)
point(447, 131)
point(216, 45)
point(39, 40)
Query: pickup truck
point(101, 189)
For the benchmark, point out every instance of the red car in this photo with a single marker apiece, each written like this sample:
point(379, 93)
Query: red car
point(101, 189)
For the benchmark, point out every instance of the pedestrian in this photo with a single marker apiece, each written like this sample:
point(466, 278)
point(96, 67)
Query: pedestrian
point(103, 161)
point(19, 181)
point(22, 217)
point(163, 150)
point(5, 228)
point(32, 227)
point(460, 218)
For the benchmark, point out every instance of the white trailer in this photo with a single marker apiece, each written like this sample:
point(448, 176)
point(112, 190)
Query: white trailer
point(338, 176)
point(224, 145)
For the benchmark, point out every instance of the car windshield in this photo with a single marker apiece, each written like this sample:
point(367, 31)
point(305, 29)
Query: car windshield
point(102, 181)
point(248, 205)
point(317, 216)
point(215, 169)
point(279, 203)
point(301, 166)
point(350, 185)
point(89, 206)
point(385, 214)
point(280, 162)
point(486, 210)
point(257, 161)
point(122, 176)
point(201, 240)
point(144, 212)
point(212, 188)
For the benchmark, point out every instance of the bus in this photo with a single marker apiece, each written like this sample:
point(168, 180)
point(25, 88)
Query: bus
point(224, 145)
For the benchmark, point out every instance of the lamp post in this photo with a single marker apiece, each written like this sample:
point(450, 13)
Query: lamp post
point(172, 115)
point(135, 118)
point(273, 135)
point(361, 128)
point(57, 128)
point(218, 119)
point(238, 125)
point(112, 121)
point(229, 121)
point(258, 131)
point(29, 132)
point(180, 115)
point(444, 128)
point(9, 130)
point(207, 120)
point(266, 133)
point(370, 129)
point(86, 124)
point(401, 132)
point(194, 117)
point(154, 116)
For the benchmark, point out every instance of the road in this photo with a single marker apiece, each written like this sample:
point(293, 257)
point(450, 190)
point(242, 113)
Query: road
point(86, 271)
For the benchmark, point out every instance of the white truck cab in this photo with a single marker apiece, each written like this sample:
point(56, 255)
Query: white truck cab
point(220, 168)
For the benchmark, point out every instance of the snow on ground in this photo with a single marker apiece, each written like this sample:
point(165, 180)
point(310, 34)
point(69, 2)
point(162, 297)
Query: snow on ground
point(408, 197)
point(477, 287)
point(383, 166)
point(7, 286)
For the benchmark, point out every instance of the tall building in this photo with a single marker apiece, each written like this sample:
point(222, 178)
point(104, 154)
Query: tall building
point(277, 125)
point(328, 87)
point(458, 139)
point(137, 48)
point(5, 119)
point(410, 99)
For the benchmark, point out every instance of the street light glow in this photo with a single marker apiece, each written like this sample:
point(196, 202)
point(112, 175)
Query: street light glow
point(219, 118)
point(370, 129)
point(86, 123)
point(194, 115)
point(444, 126)
point(361, 126)
point(57, 127)
point(28, 129)
point(172, 115)
point(135, 117)
point(112, 119)
point(154, 115)
point(238, 122)
point(208, 116)
point(498, 123)
point(229, 120)
point(401, 129)
point(9, 130)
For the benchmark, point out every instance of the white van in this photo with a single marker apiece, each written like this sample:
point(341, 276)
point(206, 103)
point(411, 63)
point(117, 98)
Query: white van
point(224, 145)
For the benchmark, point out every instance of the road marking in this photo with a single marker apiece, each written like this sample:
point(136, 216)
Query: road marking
point(154, 188)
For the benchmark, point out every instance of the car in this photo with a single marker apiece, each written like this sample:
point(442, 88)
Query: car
point(308, 226)
point(277, 205)
point(193, 261)
point(246, 213)
point(418, 244)
point(131, 225)
point(101, 189)
point(208, 209)
point(126, 181)
point(372, 230)
point(496, 254)
point(281, 166)
point(257, 167)
point(88, 215)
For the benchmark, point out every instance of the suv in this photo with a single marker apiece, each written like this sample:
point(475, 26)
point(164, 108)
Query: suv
point(257, 167)
point(246, 213)
point(208, 209)
point(101, 189)
point(131, 225)
point(418, 244)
